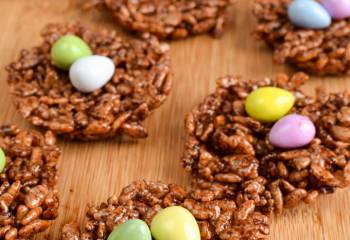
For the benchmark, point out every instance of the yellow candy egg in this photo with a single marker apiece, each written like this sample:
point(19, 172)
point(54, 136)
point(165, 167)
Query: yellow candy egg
point(175, 223)
point(269, 104)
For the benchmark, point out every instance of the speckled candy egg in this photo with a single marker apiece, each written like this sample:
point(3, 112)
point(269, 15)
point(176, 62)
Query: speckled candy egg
point(339, 9)
point(134, 229)
point(175, 223)
point(91, 73)
point(68, 49)
point(292, 131)
point(309, 14)
point(269, 104)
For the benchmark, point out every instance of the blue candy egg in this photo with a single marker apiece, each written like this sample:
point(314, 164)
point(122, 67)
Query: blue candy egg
point(309, 14)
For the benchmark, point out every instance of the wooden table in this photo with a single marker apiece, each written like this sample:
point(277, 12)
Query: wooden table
point(93, 171)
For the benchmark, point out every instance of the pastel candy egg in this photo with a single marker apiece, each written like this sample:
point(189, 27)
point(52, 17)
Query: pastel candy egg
point(309, 14)
point(175, 223)
point(91, 73)
point(339, 9)
point(131, 230)
point(67, 49)
point(292, 131)
point(268, 104)
point(2, 160)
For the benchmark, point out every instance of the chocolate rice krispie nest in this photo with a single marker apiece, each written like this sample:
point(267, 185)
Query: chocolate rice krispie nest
point(28, 196)
point(321, 52)
point(226, 146)
point(239, 178)
point(168, 18)
point(45, 96)
point(219, 218)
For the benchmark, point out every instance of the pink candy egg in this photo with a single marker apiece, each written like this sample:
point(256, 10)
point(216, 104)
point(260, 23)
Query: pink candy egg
point(292, 131)
point(338, 9)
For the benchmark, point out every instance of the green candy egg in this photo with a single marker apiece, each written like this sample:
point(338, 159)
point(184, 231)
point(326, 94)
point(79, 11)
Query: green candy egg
point(2, 160)
point(67, 50)
point(175, 223)
point(131, 230)
point(269, 104)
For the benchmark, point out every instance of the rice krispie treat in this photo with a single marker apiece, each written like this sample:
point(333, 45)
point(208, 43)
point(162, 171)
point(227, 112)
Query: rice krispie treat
point(317, 49)
point(86, 85)
point(168, 18)
point(219, 218)
point(28, 195)
point(227, 145)
point(241, 174)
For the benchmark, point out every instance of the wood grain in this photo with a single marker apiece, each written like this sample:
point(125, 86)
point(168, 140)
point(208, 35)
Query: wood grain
point(94, 171)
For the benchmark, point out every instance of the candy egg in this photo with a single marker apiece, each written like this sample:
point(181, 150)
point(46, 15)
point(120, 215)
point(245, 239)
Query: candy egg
point(2, 160)
point(131, 230)
point(268, 104)
point(175, 223)
point(292, 131)
point(339, 9)
point(309, 14)
point(67, 49)
point(91, 73)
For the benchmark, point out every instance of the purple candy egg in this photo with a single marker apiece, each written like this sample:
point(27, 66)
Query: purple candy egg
point(338, 9)
point(292, 131)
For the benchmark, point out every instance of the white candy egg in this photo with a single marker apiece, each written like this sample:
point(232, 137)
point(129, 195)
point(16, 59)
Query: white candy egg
point(90, 73)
